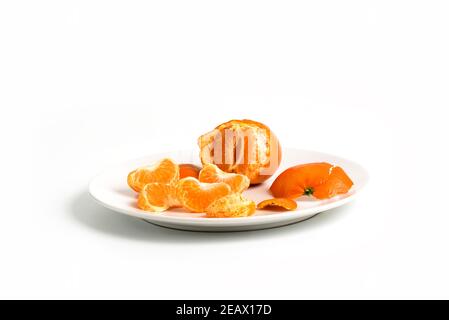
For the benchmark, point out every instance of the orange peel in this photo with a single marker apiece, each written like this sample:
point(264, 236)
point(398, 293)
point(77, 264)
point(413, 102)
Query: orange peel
point(321, 180)
point(278, 203)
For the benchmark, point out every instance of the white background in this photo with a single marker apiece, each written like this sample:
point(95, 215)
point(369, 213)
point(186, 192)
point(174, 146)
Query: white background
point(87, 84)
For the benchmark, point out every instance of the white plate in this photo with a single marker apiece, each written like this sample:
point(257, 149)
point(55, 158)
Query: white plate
point(110, 189)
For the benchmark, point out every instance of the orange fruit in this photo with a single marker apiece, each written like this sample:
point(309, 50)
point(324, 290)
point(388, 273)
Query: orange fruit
point(197, 196)
point(164, 171)
point(278, 203)
point(157, 197)
point(231, 206)
point(211, 173)
point(321, 180)
point(188, 170)
point(242, 146)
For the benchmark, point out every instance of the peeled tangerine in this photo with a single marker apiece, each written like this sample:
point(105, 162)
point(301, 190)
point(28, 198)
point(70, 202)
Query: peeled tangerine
point(158, 197)
point(211, 173)
point(197, 196)
point(165, 171)
point(231, 206)
point(245, 147)
point(321, 180)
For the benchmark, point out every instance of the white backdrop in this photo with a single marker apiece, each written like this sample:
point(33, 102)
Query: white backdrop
point(87, 84)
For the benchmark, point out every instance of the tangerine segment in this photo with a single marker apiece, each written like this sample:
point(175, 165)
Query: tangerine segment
point(164, 171)
point(278, 203)
point(242, 146)
point(321, 180)
point(231, 206)
point(196, 196)
point(157, 197)
point(211, 173)
point(188, 170)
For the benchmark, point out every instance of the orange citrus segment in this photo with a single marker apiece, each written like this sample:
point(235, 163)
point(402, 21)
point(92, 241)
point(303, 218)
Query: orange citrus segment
point(196, 196)
point(164, 171)
point(231, 206)
point(157, 197)
point(211, 173)
point(188, 170)
point(278, 203)
point(321, 180)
